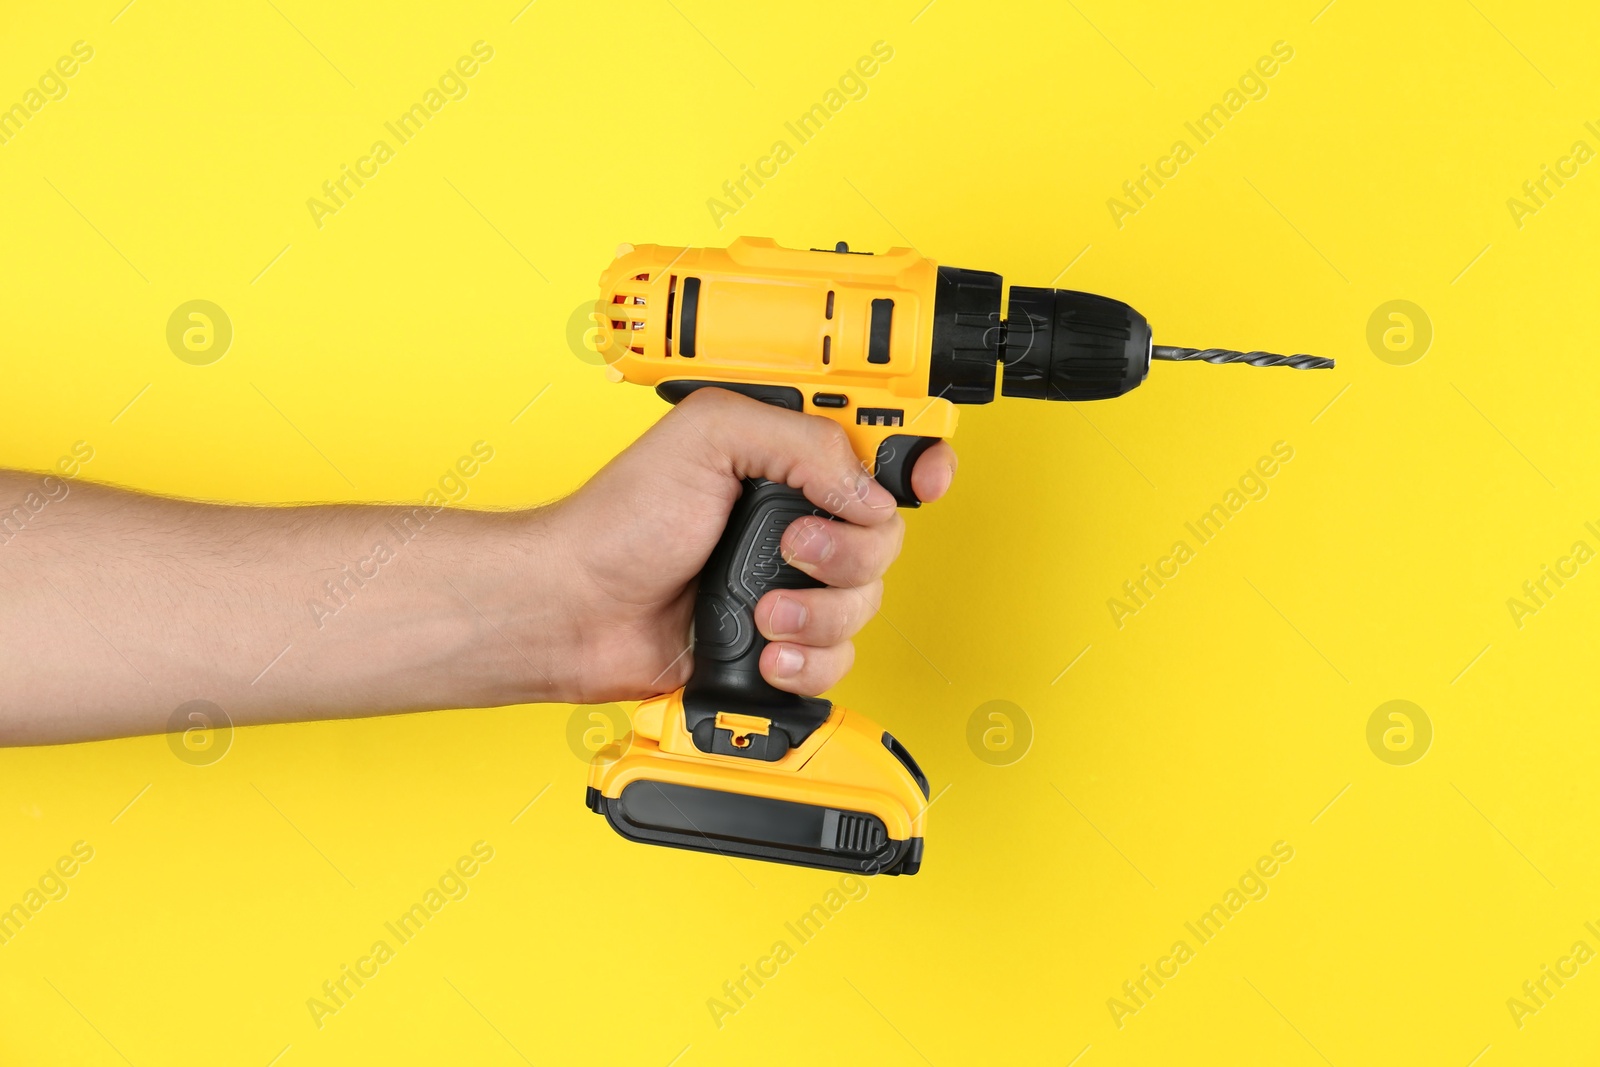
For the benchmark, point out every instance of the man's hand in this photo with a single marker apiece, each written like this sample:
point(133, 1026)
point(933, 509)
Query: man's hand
point(116, 608)
point(641, 530)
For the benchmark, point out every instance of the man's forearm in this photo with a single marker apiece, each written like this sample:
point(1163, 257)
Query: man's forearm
point(116, 608)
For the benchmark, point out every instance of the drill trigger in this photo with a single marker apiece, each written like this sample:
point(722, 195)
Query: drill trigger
point(897, 455)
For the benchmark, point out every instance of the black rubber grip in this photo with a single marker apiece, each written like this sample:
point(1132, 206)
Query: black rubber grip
point(779, 396)
point(746, 563)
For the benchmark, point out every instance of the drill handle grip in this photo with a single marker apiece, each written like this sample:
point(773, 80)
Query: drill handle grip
point(746, 563)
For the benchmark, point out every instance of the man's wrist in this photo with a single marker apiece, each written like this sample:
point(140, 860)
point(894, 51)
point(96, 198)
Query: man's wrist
point(447, 608)
point(516, 602)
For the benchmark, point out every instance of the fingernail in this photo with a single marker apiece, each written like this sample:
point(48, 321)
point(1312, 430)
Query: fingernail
point(788, 662)
point(788, 616)
point(811, 544)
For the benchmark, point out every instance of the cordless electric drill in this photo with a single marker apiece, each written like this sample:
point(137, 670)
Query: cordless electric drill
point(886, 345)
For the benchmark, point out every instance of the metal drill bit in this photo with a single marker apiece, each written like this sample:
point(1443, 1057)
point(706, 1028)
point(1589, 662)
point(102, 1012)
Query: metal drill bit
point(1228, 355)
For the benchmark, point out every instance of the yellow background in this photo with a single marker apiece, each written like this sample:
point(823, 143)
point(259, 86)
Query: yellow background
point(1223, 717)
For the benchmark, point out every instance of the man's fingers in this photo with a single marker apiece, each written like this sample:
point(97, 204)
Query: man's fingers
point(934, 471)
point(805, 452)
point(809, 630)
point(805, 669)
point(818, 617)
point(839, 554)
